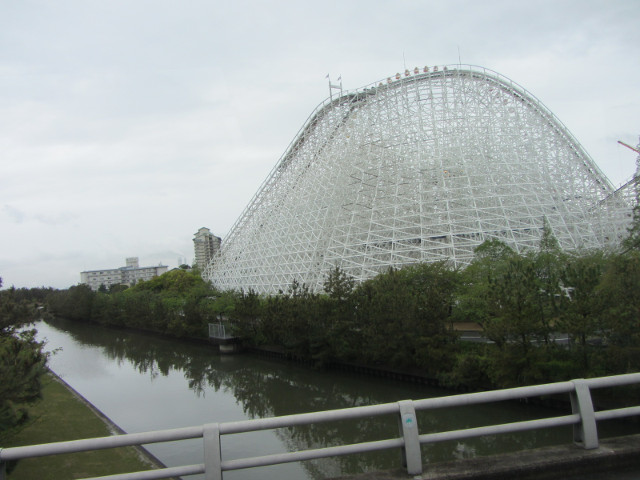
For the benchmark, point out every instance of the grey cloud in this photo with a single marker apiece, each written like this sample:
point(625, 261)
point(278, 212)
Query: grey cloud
point(14, 214)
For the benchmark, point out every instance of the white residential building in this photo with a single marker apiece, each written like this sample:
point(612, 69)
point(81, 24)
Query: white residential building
point(128, 275)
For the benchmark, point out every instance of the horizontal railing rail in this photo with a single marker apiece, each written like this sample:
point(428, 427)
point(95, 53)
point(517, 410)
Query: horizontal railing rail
point(583, 419)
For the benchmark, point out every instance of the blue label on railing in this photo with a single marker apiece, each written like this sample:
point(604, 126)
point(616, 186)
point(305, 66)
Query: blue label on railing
point(409, 420)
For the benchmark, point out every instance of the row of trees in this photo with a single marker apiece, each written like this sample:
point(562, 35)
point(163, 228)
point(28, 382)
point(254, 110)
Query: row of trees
point(404, 319)
point(524, 303)
point(178, 303)
point(400, 319)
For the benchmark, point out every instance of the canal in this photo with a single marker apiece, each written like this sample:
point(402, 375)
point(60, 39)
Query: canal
point(144, 382)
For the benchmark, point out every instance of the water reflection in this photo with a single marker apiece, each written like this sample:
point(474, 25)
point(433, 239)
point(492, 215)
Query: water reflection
point(264, 388)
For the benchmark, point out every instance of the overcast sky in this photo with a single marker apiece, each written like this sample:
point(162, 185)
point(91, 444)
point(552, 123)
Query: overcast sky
point(127, 125)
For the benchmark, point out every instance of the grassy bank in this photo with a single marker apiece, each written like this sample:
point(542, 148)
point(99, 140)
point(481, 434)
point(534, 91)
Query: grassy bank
point(61, 416)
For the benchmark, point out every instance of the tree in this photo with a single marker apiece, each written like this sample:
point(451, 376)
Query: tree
point(548, 264)
point(384, 310)
point(76, 303)
point(245, 309)
point(117, 288)
point(404, 317)
point(176, 282)
point(632, 242)
point(22, 360)
point(490, 261)
point(338, 284)
point(620, 289)
point(515, 323)
point(582, 305)
point(512, 307)
point(433, 286)
point(548, 241)
point(340, 330)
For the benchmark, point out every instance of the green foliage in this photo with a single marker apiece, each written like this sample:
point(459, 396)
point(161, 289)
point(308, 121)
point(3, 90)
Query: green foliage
point(404, 319)
point(523, 301)
point(13, 313)
point(582, 305)
point(293, 321)
point(338, 284)
point(76, 303)
point(470, 371)
point(22, 359)
point(632, 242)
point(548, 241)
point(117, 288)
point(22, 363)
point(245, 308)
point(620, 290)
point(514, 311)
point(503, 292)
point(475, 283)
point(342, 340)
point(61, 416)
point(177, 303)
point(174, 282)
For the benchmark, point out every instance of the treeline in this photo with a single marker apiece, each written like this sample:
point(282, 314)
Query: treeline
point(178, 303)
point(405, 319)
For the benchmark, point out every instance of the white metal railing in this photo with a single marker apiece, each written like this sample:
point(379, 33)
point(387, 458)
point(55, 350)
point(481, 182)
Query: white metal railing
point(583, 418)
point(219, 330)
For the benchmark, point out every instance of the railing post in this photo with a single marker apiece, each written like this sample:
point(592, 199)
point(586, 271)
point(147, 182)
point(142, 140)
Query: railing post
point(212, 456)
point(3, 470)
point(411, 455)
point(585, 433)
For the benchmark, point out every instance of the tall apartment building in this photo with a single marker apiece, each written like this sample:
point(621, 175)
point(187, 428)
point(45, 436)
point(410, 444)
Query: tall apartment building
point(205, 245)
point(128, 275)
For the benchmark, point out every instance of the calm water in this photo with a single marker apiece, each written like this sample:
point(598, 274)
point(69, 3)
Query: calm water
point(147, 383)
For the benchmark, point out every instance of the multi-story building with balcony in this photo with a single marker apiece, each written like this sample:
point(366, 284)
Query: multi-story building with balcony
point(128, 275)
point(205, 245)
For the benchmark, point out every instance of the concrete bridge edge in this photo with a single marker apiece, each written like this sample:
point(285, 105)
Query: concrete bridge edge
point(548, 463)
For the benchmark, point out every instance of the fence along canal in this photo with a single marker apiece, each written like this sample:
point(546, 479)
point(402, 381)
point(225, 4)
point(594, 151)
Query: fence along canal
point(583, 419)
point(115, 370)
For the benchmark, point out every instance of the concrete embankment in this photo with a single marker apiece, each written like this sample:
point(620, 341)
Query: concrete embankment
point(549, 463)
point(146, 456)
